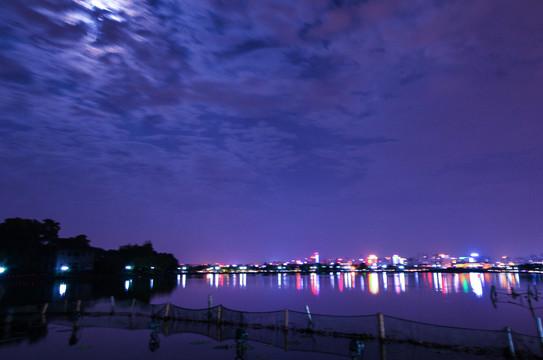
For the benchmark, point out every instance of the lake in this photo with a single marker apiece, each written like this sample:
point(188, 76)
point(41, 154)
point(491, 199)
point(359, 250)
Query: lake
point(458, 300)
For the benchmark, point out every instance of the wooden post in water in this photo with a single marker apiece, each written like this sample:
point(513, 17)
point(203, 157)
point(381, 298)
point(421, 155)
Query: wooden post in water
point(167, 310)
point(7, 322)
point(219, 315)
point(78, 306)
point(510, 345)
point(540, 332)
point(381, 335)
point(132, 306)
point(381, 327)
point(219, 319)
point(310, 322)
point(112, 300)
point(286, 319)
point(44, 308)
point(9, 316)
point(209, 306)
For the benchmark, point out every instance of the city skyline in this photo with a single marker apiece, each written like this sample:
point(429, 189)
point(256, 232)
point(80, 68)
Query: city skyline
point(245, 132)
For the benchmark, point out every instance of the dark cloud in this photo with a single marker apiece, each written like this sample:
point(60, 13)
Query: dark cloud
point(7, 125)
point(247, 46)
point(12, 71)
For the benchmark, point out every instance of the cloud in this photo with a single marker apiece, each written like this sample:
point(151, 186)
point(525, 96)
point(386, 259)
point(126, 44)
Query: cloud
point(208, 103)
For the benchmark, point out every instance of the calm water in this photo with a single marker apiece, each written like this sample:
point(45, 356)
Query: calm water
point(461, 300)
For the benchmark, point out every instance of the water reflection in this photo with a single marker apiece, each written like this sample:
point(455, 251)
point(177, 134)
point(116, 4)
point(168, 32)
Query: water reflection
point(476, 281)
point(62, 289)
point(315, 284)
point(374, 282)
point(399, 283)
point(396, 283)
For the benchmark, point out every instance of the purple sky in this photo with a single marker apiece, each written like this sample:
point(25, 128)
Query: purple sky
point(239, 131)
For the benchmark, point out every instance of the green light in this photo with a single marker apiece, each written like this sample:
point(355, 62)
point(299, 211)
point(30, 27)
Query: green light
point(465, 285)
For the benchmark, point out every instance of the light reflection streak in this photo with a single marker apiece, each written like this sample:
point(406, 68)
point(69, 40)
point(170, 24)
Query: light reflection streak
point(243, 280)
point(315, 284)
point(465, 283)
point(151, 283)
point(456, 282)
point(476, 284)
point(399, 283)
point(373, 280)
point(347, 280)
point(62, 289)
point(127, 284)
point(445, 283)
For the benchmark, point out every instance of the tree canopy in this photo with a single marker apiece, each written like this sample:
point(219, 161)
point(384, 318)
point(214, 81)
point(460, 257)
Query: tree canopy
point(31, 246)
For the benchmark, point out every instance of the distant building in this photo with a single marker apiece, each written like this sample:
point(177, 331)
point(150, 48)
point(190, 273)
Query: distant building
point(73, 254)
point(74, 259)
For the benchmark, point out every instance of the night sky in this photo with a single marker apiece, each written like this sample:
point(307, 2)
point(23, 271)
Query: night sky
point(240, 131)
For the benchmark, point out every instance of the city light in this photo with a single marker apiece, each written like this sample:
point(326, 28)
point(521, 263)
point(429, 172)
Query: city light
point(64, 268)
point(372, 259)
point(2, 269)
point(128, 267)
point(62, 289)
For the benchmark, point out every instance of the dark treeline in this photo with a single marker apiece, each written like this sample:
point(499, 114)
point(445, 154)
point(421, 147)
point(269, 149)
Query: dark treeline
point(32, 246)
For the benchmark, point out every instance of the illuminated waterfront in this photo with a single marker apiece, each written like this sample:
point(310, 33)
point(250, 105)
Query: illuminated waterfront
point(453, 299)
point(447, 299)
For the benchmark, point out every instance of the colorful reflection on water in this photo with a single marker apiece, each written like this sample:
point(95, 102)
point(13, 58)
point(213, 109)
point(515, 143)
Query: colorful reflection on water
point(444, 283)
point(453, 299)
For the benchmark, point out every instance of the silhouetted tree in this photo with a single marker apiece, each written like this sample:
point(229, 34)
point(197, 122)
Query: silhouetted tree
point(142, 258)
point(23, 244)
